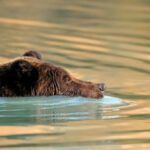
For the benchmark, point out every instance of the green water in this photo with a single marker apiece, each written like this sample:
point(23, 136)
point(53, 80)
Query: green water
point(96, 40)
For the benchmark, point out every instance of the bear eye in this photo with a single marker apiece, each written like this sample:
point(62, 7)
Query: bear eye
point(66, 78)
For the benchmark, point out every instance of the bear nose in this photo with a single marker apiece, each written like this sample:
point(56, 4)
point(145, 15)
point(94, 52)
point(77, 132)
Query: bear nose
point(102, 86)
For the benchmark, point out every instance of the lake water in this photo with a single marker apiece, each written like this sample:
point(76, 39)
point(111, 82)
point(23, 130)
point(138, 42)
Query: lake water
point(100, 41)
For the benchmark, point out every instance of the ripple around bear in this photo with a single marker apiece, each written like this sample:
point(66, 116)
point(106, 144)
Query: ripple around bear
point(30, 76)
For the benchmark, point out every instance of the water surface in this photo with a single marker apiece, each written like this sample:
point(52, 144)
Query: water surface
point(100, 41)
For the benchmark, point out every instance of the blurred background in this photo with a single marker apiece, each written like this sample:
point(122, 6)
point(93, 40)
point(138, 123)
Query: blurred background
point(96, 40)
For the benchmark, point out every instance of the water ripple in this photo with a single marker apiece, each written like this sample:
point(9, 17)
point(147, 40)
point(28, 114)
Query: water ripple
point(100, 40)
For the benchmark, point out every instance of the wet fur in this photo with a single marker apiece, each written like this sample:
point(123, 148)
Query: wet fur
point(30, 76)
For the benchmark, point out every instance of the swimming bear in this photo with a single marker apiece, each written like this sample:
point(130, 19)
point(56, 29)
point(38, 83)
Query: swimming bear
point(29, 75)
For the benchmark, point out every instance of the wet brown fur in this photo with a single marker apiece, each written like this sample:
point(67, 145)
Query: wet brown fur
point(30, 76)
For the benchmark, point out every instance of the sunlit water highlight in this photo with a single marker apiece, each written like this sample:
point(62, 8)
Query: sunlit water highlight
point(57, 108)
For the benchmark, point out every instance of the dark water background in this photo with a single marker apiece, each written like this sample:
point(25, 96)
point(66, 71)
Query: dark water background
point(96, 40)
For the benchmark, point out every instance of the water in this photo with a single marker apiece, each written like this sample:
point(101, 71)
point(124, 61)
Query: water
point(100, 41)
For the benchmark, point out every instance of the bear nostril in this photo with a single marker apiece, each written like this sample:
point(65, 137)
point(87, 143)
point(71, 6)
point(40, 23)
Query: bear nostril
point(101, 86)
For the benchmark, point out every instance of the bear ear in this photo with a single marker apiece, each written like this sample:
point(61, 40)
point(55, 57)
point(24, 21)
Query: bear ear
point(23, 72)
point(34, 54)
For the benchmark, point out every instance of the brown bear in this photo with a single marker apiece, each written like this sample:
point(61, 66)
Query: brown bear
point(29, 75)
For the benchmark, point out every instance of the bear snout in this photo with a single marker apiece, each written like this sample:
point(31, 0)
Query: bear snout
point(101, 86)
